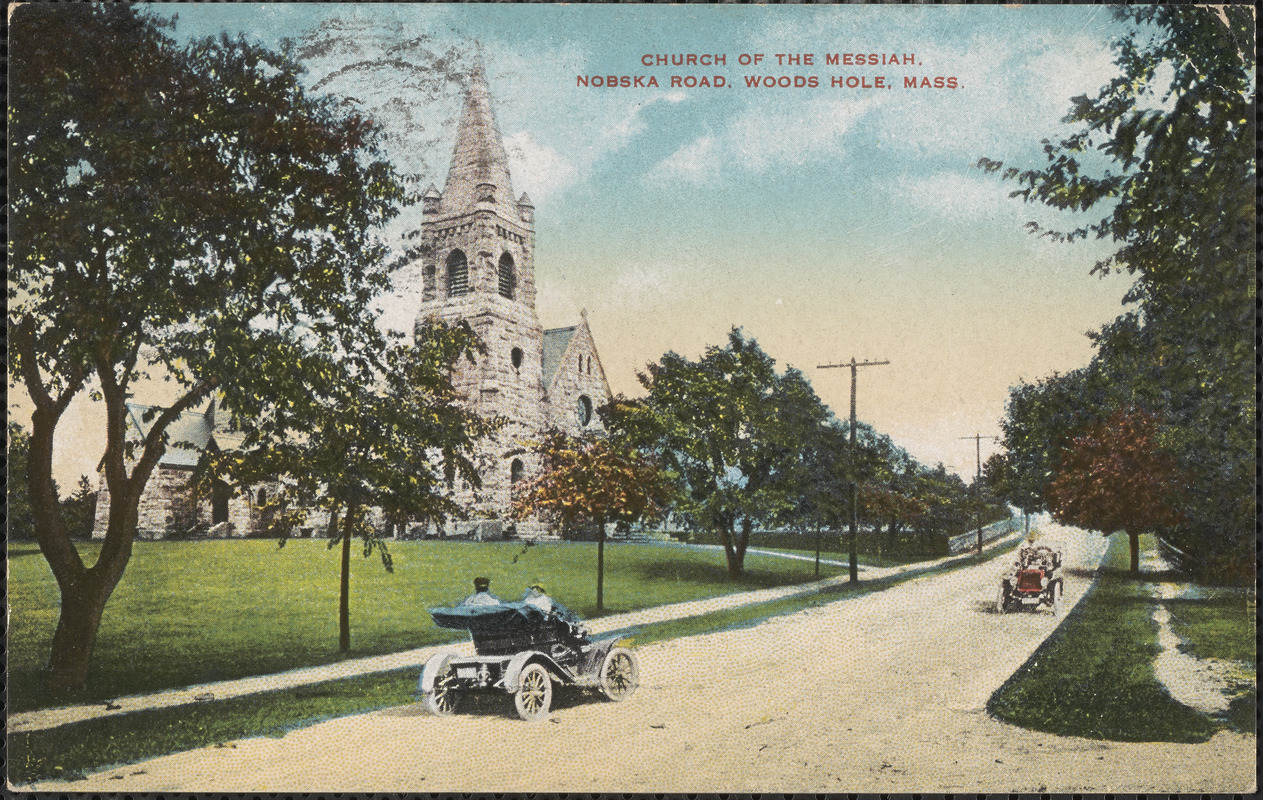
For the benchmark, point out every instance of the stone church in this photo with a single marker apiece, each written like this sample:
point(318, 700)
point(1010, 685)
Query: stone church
point(478, 264)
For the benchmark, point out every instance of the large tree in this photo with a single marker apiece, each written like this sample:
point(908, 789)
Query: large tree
point(1113, 478)
point(1162, 161)
point(592, 480)
point(174, 210)
point(730, 429)
point(371, 433)
point(1040, 420)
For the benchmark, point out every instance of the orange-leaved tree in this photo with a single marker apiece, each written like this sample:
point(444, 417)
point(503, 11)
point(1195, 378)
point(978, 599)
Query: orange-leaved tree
point(1113, 477)
point(592, 480)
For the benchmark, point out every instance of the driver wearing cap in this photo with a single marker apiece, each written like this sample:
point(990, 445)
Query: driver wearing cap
point(482, 595)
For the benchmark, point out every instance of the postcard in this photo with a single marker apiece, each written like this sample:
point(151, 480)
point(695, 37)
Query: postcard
point(857, 398)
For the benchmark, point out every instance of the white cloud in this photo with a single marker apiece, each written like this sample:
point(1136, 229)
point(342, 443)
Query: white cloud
point(766, 136)
point(536, 168)
point(957, 196)
point(763, 137)
point(617, 136)
point(694, 162)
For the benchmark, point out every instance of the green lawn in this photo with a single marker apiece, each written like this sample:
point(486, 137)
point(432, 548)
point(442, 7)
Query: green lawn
point(70, 751)
point(1094, 676)
point(193, 612)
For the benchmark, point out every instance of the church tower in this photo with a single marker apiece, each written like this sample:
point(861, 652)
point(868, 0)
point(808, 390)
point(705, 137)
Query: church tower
point(477, 246)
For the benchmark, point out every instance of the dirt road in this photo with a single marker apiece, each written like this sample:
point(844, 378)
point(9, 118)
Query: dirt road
point(881, 693)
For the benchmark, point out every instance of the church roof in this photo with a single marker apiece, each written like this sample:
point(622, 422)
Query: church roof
point(190, 428)
point(479, 156)
point(556, 341)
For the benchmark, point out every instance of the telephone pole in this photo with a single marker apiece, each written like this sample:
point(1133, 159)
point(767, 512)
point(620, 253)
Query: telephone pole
point(855, 494)
point(978, 437)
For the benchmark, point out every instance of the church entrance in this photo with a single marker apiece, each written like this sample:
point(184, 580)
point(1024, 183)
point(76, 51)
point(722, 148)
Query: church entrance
point(219, 502)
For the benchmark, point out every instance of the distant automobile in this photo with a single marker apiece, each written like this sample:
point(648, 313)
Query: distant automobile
point(1033, 581)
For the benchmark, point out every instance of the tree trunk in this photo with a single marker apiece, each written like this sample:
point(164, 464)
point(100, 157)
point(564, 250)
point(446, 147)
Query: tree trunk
point(1134, 540)
point(74, 638)
point(344, 588)
point(600, 564)
point(83, 591)
point(737, 555)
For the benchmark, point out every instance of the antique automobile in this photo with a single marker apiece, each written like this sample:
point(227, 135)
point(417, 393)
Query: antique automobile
point(524, 652)
point(1033, 581)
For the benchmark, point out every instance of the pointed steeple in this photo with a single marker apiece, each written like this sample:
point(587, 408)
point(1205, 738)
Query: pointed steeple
point(479, 175)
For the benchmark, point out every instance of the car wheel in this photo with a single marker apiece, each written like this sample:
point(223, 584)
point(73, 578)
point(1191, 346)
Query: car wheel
point(534, 695)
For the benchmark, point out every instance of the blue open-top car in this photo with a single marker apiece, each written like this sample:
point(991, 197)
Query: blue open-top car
point(523, 651)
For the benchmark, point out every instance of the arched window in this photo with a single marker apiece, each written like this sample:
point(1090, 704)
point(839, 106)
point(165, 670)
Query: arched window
point(457, 274)
point(580, 365)
point(516, 357)
point(263, 498)
point(589, 365)
point(585, 410)
point(429, 290)
point(517, 471)
point(508, 276)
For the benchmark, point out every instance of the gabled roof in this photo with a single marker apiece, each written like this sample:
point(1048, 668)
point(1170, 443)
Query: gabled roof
point(190, 428)
point(479, 156)
point(556, 341)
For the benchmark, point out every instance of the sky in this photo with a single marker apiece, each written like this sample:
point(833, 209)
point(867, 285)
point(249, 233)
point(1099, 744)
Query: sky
point(826, 222)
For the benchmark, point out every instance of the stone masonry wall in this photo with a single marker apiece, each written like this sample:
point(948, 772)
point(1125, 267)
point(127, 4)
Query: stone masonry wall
point(580, 375)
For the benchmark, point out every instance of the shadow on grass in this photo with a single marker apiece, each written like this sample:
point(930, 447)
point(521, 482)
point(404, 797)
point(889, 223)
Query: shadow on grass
point(717, 574)
point(1093, 677)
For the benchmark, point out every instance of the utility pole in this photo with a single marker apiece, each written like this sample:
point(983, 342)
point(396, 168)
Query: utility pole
point(855, 494)
point(978, 437)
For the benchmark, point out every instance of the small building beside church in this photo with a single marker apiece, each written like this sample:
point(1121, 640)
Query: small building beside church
point(168, 509)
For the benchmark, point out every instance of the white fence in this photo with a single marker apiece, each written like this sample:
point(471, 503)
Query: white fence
point(969, 541)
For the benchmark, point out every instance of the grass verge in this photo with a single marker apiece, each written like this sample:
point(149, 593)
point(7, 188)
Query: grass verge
point(187, 613)
point(1220, 624)
point(71, 751)
point(1094, 676)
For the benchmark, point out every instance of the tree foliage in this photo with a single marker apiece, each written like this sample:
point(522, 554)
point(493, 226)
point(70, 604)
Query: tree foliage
point(175, 212)
point(385, 432)
point(1162, 161)
point(20, 521)
point(1113, 477)
point(592, 480)
point(729, 428)
point(79, 509)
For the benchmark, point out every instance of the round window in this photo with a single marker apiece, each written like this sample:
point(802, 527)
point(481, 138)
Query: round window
point(585, 410)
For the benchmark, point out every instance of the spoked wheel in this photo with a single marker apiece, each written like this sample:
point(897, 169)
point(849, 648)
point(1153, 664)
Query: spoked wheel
point(534, 694)
point(620, 674)
point(443, 699)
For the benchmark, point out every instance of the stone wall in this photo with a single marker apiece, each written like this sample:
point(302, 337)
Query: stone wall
point(168, 509)
point(579, 376)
